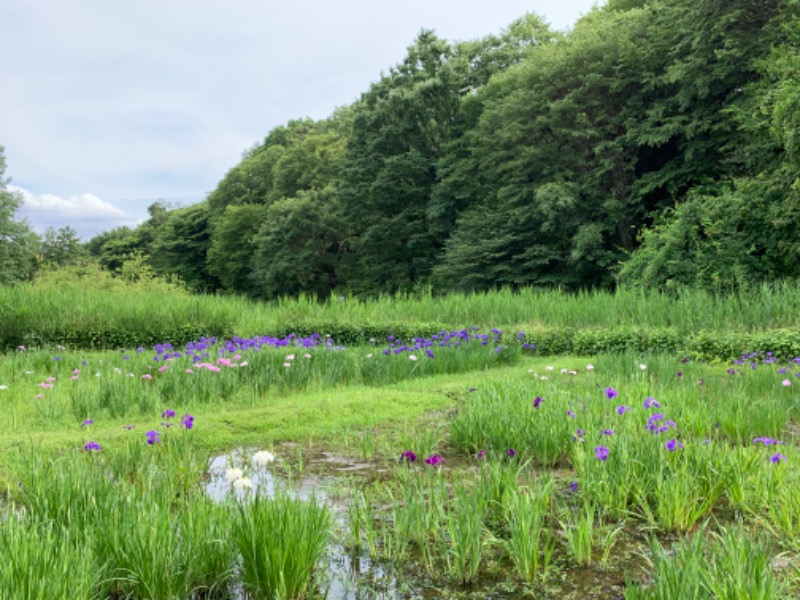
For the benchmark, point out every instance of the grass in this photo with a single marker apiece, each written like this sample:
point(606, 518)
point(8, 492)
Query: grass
point(556, 471)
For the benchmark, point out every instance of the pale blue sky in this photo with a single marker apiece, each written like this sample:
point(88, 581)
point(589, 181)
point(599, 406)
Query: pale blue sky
point(108, 106)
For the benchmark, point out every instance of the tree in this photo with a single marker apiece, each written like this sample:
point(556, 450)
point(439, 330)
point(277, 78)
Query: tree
point(230, 256)
point(298, 247)
point(63, 247)
point(181, 247)
point(18, 242)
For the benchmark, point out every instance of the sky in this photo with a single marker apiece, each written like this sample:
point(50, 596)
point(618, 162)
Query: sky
point(107, 106)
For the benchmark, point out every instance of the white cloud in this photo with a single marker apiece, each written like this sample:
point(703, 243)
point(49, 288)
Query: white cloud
point(85, 213)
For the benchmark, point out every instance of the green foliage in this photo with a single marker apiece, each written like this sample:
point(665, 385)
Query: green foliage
point(18, 243)
point(62, 247)
point(298, 246)
point(181, 246)
point(230, 257)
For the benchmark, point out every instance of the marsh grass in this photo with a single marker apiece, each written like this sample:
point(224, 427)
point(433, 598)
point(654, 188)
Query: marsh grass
point(530, 544)
point(44, 560)
point(729, 564)
point(282, 542)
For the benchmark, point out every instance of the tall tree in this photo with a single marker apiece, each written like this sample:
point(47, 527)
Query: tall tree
point(181, 247)
point(18, 242)
point(62, 247)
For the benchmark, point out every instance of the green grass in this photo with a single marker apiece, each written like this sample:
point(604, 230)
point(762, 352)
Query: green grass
point(488, 519)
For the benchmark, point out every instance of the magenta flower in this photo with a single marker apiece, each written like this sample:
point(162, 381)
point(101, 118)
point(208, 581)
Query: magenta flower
point(511, 452)
point(408, 456)
point(434, 460)
point(481, 454)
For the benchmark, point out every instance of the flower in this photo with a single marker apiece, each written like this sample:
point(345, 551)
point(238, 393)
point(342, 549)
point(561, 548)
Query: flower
point(481, 454)
point(786, 383)
point(187, 421)
point(290, 357)
point(429, 352)
point(145, 376)
point(777, 457)
point(570, 414)
point(87, 422)
point(651, 402)
point(537, 401)
point(511, 452)
point(412, 357)
point(601, 453)
point(611, 393)
point(262, 458)
point(128, 427)
point(233, 474)
point(153, 437)
point(91, 446)
point(409, 456)
point(607, 432)
point(673, 445)
point(243, 483)
point(589, 367)
point(573, 487)
point(622, 409)
point(766, 441)
point(643, 367)
point(434, 460)
point(168, 414)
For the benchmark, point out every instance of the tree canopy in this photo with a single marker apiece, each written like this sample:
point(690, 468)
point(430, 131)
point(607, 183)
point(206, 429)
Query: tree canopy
point(656, 144)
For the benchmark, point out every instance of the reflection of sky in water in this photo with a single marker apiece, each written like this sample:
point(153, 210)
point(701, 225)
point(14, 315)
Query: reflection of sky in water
point(264, 481)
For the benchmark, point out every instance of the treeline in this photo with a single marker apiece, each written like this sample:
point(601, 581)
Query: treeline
point(656, 144)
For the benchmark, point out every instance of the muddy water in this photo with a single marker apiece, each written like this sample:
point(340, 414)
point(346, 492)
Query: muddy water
point(358, 577)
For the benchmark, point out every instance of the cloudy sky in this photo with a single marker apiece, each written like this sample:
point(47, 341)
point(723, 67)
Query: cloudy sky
point(110, 105)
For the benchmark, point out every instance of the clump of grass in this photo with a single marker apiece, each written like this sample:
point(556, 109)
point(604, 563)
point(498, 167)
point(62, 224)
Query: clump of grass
point(281, 542)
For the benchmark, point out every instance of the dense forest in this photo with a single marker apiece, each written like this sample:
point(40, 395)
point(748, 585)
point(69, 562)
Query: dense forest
point(655, 144)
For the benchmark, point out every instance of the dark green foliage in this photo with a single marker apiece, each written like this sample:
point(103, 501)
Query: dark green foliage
point(181, 247)
point(656, 144)
point(230, 257)
point(297, 248)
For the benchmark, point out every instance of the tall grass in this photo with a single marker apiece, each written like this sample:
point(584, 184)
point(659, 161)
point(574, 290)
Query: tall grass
point(281, 541)
point(85, 316)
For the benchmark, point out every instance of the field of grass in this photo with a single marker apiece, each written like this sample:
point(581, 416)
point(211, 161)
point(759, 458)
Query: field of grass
point(457, 466)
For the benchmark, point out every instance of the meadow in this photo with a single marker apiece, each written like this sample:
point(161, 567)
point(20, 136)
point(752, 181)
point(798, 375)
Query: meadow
point(459, 457)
